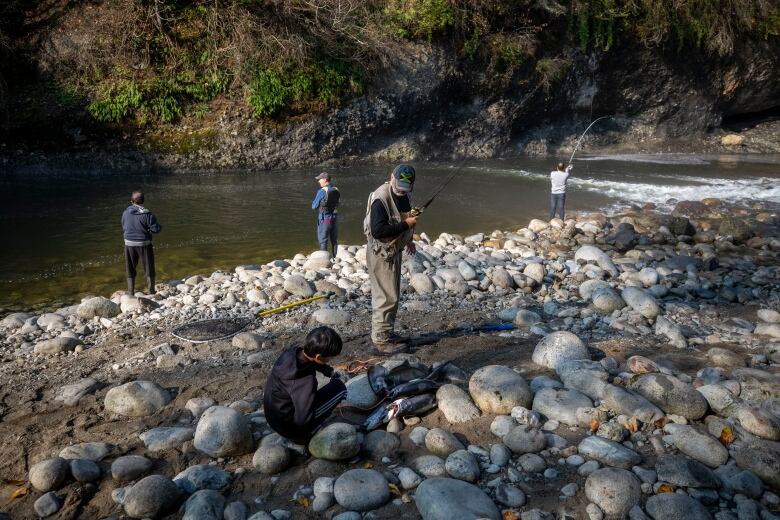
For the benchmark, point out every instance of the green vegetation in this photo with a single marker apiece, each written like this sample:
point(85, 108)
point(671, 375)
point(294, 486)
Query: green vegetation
point(150, 63)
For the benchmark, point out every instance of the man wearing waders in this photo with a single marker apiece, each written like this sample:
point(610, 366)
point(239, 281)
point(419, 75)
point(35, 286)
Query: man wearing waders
point(138, 224)
point(326, 203)
point(389, 229)
point(558, 190)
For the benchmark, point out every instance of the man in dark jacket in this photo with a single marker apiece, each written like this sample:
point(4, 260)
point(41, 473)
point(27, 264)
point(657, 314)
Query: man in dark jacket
point(294, 407)
point(138, 224)
point(326, 204)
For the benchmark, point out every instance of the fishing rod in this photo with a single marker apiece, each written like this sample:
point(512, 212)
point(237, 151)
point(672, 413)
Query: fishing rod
point(579, 142)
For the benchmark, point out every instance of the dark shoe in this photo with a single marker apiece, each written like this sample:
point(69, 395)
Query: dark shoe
point(150, 282)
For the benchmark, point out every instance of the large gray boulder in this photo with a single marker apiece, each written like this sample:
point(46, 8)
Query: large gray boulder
point(272, 459)
point(671, 395)
point(421, 283)
point(557, 347)
point(626, 402)
point(561, 405)
point(608, 452)
point(587, 377)
point(48, 474)
point(676, 506)
point(700, 446)
point(684, 472)
point(606, 300)
point(614, 490)
point(136, 399)
point(152, 497)
point(337, 441)
point(223, 432)
point(525, 439)
point(97, 306)
point(641, 301)
point(762, 458)
point(361, 490)
point(589, 253)
point(451, 499)
point(205, 504)
point(455, 404)
point(57, 345)
point(298, 286)
point(130, 467)
point(497, 389)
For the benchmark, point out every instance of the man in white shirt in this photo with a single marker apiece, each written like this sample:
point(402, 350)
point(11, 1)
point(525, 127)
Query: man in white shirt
point(558, 190)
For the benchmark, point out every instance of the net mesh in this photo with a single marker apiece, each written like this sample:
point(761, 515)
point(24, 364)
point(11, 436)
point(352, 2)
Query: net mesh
point(212, 329)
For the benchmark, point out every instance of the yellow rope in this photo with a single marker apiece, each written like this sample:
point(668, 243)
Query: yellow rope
point(291, 305)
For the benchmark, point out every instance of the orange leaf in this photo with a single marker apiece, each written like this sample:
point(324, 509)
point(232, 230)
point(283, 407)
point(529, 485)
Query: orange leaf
point(665, 488)
point(594, 425)
point(510, 515)
point(303, 501)
point(632, 425)
point(727, 435)
point(660, 423)
point(367, 465)
point(19, 493)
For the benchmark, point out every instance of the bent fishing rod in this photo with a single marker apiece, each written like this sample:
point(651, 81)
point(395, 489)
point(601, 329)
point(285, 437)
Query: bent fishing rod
point(579, 141)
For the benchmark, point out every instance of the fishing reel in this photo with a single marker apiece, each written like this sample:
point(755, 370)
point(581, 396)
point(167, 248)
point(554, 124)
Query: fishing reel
point(416, 212)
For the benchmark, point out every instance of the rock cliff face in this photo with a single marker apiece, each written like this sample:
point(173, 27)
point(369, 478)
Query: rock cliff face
point(425, 105)
point(426, 108)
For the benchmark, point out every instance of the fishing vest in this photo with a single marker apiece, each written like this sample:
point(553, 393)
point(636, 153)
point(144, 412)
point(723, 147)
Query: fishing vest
point(390, 248)
point(330, 204)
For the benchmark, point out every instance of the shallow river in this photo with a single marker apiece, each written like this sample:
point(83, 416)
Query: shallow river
point(62, 235)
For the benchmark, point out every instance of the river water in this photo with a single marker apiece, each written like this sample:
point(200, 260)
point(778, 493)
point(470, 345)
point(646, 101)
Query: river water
point(62, 235)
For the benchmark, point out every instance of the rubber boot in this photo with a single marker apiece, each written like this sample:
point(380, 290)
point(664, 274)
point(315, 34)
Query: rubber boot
point(131, 286)
point(150, 281)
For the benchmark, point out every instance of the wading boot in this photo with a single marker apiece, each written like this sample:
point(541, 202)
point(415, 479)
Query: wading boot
point(389, 344)
point(131, 286)
point(150, 281)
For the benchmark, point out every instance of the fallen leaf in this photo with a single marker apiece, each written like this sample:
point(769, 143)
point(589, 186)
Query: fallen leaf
point(367, 465)
point(727, 435)
point(11, 482)
point(394, 490)
point(19, 493)
point(303, 501)
point(665, 488)
point(510, 515)
point(594, 425)
point(632, 425)
point(660, 423)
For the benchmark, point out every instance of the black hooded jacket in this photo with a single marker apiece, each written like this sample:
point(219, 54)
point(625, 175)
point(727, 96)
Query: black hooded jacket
point(289, 393)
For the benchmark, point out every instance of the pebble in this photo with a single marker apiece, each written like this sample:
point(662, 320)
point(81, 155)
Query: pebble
point(671, 395)
point(510, 496)
point(699, 446)
point(271, 459)
point(166, 437)
point(608, 452)
point(569, 490)
point(462, 465)
point(409, 479)
point(84, 470)
point(202, 476)
point(525, 439)
point(417, 435)
point(682, 471)
point(380, 444)
point(429, 466)
point(455, 404)
point(205, 504)
point(441, 442)
point(500, 455)
point(675, 506)
point(47, 504)
point(94, 451)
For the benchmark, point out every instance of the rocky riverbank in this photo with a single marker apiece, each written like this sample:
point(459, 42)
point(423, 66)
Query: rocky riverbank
point(641, 379)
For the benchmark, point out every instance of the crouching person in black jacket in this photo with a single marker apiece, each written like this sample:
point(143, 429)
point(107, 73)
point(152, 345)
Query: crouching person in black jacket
point(294, 407)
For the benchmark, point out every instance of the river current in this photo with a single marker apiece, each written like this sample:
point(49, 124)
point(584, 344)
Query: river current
point(63, 240)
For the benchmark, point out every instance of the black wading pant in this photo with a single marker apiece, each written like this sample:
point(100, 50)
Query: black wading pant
point(143, 253)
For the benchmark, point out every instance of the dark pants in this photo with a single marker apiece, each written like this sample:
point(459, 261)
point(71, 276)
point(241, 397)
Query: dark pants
point(143, 253)
point(325, 401)
point(557, 200)
point(328, 228)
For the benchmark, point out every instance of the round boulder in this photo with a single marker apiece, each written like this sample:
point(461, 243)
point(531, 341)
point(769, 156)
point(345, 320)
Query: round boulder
point(271, 459)
point(361, 490)
point(557, 347)
point(136, 399)
point(222, 432)
point(497, 389)
point(97, 306)
point(337, 441)
point(671, 395)
point(525, 439)
point(451, 499)
point(614, 490)
point(49, 474)
point(675, 506)
point(152, 497)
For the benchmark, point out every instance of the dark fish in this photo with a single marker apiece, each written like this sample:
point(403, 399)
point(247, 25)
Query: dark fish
point(417, 386)
point(400, 408)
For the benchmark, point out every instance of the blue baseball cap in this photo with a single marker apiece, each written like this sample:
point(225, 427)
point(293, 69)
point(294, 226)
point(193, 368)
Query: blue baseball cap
point(404, 177)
